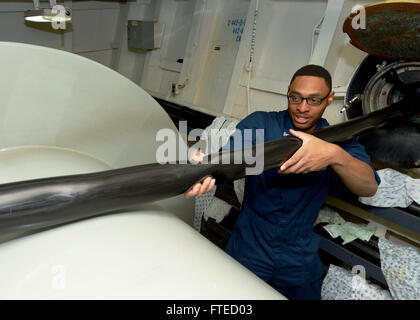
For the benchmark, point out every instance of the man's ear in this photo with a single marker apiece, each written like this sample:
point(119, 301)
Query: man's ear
point(330, 97)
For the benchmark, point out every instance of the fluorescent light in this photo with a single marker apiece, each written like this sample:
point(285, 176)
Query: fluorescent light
point(47, 15)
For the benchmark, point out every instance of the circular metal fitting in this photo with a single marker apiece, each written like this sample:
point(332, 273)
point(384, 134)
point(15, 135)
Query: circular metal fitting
point(383, 89)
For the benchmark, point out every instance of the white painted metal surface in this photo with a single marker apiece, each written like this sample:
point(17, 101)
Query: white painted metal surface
point(55, 98)
point(137, 255)
point(64, 114)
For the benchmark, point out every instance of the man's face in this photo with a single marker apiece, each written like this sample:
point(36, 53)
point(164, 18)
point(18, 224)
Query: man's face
point(304, 116)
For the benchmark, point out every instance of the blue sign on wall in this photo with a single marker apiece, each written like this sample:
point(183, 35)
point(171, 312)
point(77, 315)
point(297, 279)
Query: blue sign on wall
point(237, 27)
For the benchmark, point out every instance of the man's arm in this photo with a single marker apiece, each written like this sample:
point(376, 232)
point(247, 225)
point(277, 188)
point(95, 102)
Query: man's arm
point(316, 154)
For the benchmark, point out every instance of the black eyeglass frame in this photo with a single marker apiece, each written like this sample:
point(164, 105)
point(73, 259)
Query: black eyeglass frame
point(307, 101)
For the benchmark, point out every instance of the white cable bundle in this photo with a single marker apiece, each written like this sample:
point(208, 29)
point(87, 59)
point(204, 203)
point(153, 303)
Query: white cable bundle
point(251, 54)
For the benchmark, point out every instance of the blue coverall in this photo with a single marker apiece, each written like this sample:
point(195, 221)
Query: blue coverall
point(273, 236)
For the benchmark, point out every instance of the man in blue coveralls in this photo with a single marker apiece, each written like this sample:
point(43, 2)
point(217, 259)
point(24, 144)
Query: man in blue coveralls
point(273, 236)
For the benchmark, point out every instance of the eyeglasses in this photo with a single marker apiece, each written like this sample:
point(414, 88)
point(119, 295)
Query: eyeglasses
point(312, 101)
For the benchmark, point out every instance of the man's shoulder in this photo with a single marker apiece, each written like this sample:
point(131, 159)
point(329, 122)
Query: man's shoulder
point(261, 116)
point(270, 121)
point(323, 123)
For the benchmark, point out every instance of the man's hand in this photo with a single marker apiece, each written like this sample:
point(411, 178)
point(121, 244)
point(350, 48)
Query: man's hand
point(204, 185)
point(314, 154)
point(200, 188)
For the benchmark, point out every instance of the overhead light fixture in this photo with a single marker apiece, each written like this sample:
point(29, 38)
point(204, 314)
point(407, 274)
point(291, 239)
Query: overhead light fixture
point(56, 13)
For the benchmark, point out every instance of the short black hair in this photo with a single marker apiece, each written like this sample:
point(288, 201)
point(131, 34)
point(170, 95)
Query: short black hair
point(315, 71)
